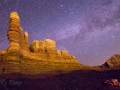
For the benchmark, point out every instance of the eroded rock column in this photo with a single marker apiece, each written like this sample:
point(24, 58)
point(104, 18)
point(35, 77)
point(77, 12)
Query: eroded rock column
point(14, 31)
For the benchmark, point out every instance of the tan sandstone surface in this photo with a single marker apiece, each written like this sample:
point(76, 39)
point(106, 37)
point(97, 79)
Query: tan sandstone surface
point(38, 57)
point(113, 62)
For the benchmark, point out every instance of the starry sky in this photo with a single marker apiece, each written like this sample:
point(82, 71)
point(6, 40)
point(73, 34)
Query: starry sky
point(87, 29)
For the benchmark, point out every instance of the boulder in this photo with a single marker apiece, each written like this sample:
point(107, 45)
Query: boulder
point(49, 44)
point(35, 46)
point(112, 82)
point(65, 54)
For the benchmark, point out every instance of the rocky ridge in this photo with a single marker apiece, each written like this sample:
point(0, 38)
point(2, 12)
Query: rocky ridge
point(40, 56)
point(113, 62)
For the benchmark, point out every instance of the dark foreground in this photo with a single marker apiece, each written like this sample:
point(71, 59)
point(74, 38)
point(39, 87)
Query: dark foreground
point(76, 80)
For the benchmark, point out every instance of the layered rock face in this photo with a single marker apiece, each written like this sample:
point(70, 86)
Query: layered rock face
point(20, 57)
point(48, 47)
point(18, 40)
point(114, 61)
point(14, 31)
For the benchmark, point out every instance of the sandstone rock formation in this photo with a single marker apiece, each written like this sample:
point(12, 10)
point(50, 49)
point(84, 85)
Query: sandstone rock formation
point(112, 82)
point(114, 61)
point(20, 57)
point(35, 46)
point(17, 39)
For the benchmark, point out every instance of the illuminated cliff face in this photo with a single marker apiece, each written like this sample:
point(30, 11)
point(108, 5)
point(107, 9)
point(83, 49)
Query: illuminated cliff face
point(17, 38)
point(14, 31)
point(40, 56)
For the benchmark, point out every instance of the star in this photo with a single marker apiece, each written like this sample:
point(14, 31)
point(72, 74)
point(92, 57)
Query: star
point(61, 5)
point(87, 29)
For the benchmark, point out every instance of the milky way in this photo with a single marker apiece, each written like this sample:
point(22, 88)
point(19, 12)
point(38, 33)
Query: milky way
point(87, 29)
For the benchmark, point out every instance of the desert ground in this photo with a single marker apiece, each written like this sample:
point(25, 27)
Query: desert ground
point(75, 80)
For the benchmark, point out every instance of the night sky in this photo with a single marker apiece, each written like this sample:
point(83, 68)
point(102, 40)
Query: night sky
point(87, 29)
